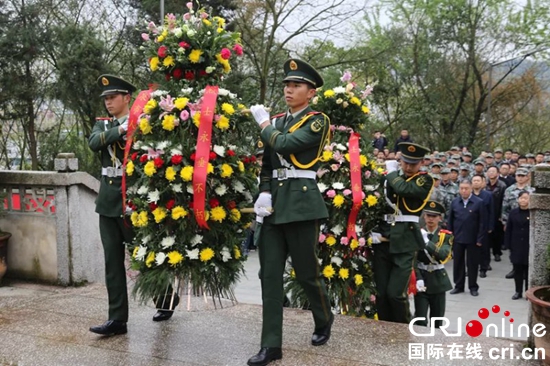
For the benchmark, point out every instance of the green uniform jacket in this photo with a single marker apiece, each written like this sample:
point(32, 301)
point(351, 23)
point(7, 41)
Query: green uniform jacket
point(294, 199)
point(436, 281)
point(409, 197)
point(109, 199)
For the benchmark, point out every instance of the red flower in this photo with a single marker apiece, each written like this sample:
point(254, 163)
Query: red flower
point(245, 160)
point(252, 159)
point(143, 158)
point(191, 205)
point(192, 157)
point(170, 204)
point(134, 156)
point(214, 202)
point(212, 155)
point(176, 159)
point(167, 76)
point(231, 205)
point(184, 44)
point(162, 51)
point(230, 153)
point(225, 53)
point(153, 206)
point(189, 75)
point(177, 74)
point(202, 73)
point(238, 49)
point(158, 162)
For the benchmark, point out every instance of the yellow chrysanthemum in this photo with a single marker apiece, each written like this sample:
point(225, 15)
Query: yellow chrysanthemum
point(241, 106)
point(328, 271)
point(168, 61)
point(160, 38)
point(154, 64)
point(145, 126)
point(224, 63)
point(168, 122)
point(207, 22)
point(159, 214)
point(219, 20)
point(149, 169)
point(346, 156)
point(150, 259)
point(363, 160)
point(369, 241)
point(338, 200)
point(150, 106)
point(130, 168)
point(135, 252)
point(327, 155)
point(292, 273)
point(197, 119)
point(223, 123)
point(240, 165)
point(178, 212)
point(329, 93)
point(170, 174)
point(237, 252)
point(343, 273)
point(210, 168)
point(331, 240)
point(371, 200)
point(181, 103)
point(228, 108)
point(365, 109)
point(142, 219)
point(206, 254)
point(134, 218)
point(195, 56)
point(186, 173)
point(218, 214)
point(219, 30)
point(355, 100)
point(354, 244)
point(227, 171)
point(358, 279)
point(235, 215)
point(174, 257)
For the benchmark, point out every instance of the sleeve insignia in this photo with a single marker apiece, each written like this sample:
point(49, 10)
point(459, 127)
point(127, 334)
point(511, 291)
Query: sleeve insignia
point(421, 181)
point(317, 125)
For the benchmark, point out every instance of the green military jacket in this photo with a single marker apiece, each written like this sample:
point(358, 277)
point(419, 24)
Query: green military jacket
point(439, 248)
point(104, 134)
point(409, 196)
point(294, 199)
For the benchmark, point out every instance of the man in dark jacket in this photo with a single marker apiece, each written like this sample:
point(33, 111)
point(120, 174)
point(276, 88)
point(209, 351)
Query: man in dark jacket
point(380, 141)
point(404, 137)
point(478, 183)
point(466, 222)
point(497, 188)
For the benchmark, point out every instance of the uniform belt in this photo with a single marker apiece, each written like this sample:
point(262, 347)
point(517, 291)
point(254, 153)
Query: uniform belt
point(401, 218)
point(111, 171)
point(283, 173)
point(430, 267)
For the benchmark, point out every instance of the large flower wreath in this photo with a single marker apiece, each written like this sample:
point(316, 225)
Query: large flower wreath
point(348, 181)
point(189, 171)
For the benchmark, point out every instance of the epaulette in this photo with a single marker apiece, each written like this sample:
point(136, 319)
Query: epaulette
point(278, 115)
point(444, 231)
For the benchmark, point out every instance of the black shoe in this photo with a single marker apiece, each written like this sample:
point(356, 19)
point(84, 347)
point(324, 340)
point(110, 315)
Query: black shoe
point(482, 274)
point(162, 315)
point(516, 296)
point(110, 327)
point(455, 291)
point(474, 293)
point(322, 335)
point(510, 274)
point(489, 268)
point(497, 258)
point(265, 356)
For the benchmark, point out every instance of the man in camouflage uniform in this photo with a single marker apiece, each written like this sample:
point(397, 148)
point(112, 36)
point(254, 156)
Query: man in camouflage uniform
point(438, 194)
point(448, 187)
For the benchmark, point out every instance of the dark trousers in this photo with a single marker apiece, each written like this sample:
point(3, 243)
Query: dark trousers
point(521, 273)
point(276, 242)
point(114, 233)
point(496, 237)
point(466, 256)
point(485, 259)
point(392, 273)
point(434, 302)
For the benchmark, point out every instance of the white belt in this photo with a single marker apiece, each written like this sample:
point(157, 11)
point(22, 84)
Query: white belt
point(111, 171)
point(401, 218)
point(283, 173)
point(430, 267)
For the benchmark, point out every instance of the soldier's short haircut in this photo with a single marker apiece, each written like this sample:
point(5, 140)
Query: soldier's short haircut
point(467, 181)
point(482, 176)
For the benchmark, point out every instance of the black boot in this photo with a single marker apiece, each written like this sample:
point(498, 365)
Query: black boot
point(265, 356)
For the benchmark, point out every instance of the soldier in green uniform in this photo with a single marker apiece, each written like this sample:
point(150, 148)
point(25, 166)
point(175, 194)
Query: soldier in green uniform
point(292, 206)
point(432, 280)
point(406, 195)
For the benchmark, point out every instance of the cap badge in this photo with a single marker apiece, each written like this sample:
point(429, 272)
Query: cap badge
point(411, 148)
point(104, 81)
point(293, 65)
point(260, 144)
point(432, 204)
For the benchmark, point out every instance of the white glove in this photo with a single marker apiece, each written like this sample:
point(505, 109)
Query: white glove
point(259, 219)
point(259, 113)
point(263, 205)
point(392, 165)
point(376, 237)
point(424, 235)
point(420, 286)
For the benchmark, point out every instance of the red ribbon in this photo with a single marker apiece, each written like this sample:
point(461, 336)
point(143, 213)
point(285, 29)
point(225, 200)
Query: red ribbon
point(136, 110)
point(200, 170)
point(355, 175)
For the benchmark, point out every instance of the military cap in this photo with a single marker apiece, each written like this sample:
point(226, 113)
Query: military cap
point(455, 148)
point(479, 162)
point(435, 176)
point(546, 158)
point(423, 168)
point(111, 84)
point(498, 150)
point(522, 171)
point(467, 153)
point(451, 161)
point(455, 169)
point(437, 157)
point(489, 155)
point(427, 157)
point(464, 167)
point(529, 155)
point(455, 156)
point(412, 153)
point(434, 208)
point(259, 148)
point(437, 164)
point(445, 171)
point(302, 72)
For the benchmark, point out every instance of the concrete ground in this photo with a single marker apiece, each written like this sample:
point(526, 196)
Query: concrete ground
point(47, 325)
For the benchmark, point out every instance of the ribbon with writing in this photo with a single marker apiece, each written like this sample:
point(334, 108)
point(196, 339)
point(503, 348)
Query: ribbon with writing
point(200, 169)
point(355, 177)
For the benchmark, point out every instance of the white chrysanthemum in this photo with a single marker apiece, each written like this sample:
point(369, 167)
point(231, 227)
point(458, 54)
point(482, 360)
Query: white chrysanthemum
point(186, 91)
point(162, 145)
point(145, 147)
point(362, 259)
point(339, 90)
point(223, 92)
point(167, 242)
point(248, 197)
point(192, 254)
point(338, 185)
point(142, 190)
point(322, 187)
point(337, 230)
point(177, 32)
point(238, 186)
point(369, 187)
point(140, 255)
point(226, 255)
point(190, 188)
point(137, 145)
point(153, 197)
point(146, 239)
point(176, 151)
point(336, 260)
point(219, 150)
point(232, 95)
point(341, 147)
point(159, 93)
point(221, 190)
point(132, 190)
point(177, 188)
point(232, 147)
point(354, 266)
point(196, 240)
point(160, 258)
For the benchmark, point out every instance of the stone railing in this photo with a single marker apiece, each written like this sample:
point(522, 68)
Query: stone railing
point(55, 230)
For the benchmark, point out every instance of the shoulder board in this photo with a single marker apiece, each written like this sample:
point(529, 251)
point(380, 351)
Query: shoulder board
point(313, 112)
point(446, 231)
point(278, 115)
